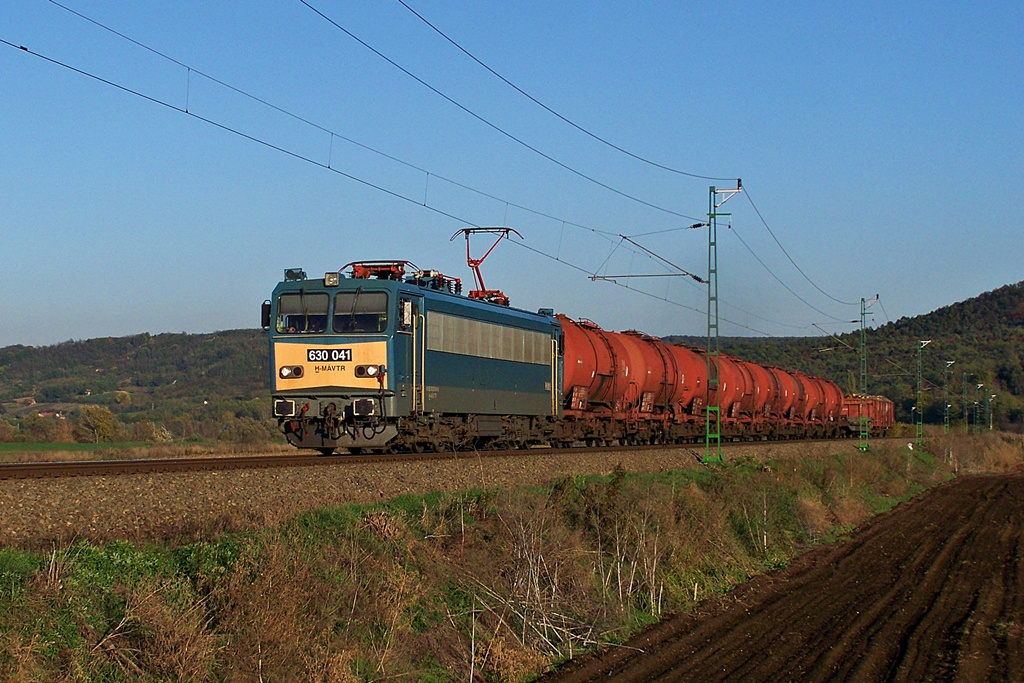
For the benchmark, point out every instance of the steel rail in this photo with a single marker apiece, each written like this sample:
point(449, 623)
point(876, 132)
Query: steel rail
point(96, 468)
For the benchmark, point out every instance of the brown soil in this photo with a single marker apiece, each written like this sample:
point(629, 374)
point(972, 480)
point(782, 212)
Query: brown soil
point(929, 591)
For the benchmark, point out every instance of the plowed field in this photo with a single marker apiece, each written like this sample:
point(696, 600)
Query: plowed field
point(931, 591)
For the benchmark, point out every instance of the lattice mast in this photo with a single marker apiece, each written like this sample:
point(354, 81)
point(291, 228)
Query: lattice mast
point(945, 401)
point(863, 421)
point(919, 422)
point(713, 406)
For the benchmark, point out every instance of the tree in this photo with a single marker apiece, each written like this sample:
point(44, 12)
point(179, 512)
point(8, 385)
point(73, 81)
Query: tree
point(8, 432)
point(99, 423)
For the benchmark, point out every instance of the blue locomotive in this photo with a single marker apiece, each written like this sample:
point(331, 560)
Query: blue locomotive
point(389, 357)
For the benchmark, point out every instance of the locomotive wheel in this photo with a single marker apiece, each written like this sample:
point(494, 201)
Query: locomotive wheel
point(326, 451)
point(417, 447)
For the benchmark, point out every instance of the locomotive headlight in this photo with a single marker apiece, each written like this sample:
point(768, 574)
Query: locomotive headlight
point(370, 370)
point(331, 279)
point(290, 372)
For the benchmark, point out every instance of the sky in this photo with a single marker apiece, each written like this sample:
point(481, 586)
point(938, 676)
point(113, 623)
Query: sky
point(163, 185)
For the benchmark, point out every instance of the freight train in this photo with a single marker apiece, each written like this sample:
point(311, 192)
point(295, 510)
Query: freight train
point(384, 356)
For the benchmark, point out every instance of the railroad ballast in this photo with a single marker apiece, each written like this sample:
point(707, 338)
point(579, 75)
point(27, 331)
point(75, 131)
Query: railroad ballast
point(383, 355)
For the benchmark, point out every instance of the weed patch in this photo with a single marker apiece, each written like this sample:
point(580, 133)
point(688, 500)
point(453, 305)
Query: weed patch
point(484, 584)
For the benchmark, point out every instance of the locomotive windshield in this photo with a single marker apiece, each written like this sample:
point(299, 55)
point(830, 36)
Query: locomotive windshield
point(299, 312)
point(360, 311)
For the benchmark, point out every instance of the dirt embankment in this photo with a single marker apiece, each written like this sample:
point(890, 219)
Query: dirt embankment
point(933, 590)
point(200, 505)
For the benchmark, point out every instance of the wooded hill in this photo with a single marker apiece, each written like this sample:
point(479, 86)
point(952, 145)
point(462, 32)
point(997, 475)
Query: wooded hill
point(216, 385)
point(984, 335)
point(194, 385)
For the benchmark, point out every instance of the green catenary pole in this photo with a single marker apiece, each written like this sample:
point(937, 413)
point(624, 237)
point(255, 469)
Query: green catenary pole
point(863, 421)
point(713, 405)
point(977, 407)
point(967, 421)
point(919, 422)
point(945, 397)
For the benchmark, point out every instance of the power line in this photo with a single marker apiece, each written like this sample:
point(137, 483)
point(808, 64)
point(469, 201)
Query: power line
point(488, 123)
point(763, 264)
point(835, 337)
point(549, 109)
point(605, 234)
point(779, 280)
point(800, 270)
point(634, 289)
point(235, 131)
point(300, 157)
point(602, 233)
point(882, 306)
point(691, 280)
point(609, 235)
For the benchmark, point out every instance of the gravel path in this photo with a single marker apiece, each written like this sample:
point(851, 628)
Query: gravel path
point(194, 505)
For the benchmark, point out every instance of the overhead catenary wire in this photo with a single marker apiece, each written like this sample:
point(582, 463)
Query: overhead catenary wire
point(882, 306)
point(689, 278)
point(320, 164)
point(838, 339)
point(427, 173)
point(638, 291)
point(492, 125)
point(761, 261)
point(551, 111)
point(771, 232)
point(229, 129)
point(333, 133)
point(779, 280)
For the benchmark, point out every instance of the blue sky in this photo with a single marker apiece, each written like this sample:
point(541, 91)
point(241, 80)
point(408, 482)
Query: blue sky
point(883, 143)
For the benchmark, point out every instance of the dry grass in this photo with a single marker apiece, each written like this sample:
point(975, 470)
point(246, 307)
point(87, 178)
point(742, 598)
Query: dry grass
point(985, 452)
point(262, 604)
point(483, 586)
point(21, 660)
point(815, 515)
point(178, 642)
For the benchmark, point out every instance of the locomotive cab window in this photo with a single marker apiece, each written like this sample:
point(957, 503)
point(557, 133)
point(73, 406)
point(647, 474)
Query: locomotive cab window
point(360, 312)
point(301, 313)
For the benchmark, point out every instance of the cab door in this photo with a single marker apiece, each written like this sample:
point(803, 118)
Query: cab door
point(411, 334)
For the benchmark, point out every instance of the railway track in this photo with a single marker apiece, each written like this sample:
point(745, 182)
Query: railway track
point(95, 468)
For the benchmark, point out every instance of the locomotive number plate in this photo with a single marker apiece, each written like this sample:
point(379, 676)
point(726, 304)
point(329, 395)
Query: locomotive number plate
point(329, 355)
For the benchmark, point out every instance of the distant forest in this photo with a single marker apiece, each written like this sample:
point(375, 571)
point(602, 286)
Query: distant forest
point(140, 388)
point(983, 335)
point(215, 386)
